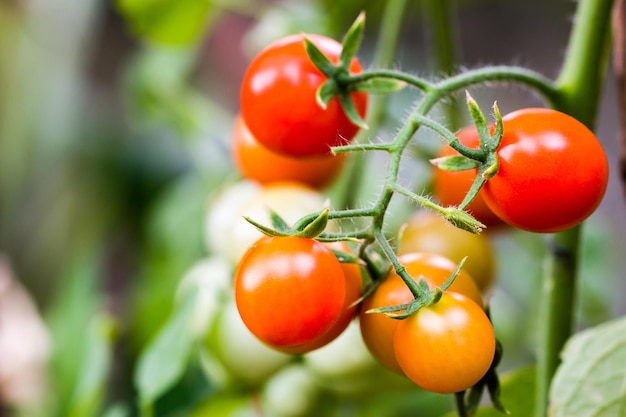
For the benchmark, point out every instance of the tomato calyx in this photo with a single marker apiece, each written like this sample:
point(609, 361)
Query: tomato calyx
point(338, 82)
point(467, 402)
point(307, 227)
point(424, 296)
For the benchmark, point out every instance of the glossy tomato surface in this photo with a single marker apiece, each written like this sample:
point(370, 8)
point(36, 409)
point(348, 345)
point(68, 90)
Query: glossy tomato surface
point(278, 104)
point(450, 187)
point(446, 347)
point(553, 172)
point(377, 329)
point(427, 231)
point(354, 286)
point(257, 163)
point(289, 291)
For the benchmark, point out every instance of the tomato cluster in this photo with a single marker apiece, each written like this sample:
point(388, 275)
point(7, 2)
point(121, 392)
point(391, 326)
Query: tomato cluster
point(443, 327)
point(552, 173)
point(292, 292)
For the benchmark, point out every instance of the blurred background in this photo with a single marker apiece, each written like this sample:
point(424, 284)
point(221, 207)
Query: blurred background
point(114, 134)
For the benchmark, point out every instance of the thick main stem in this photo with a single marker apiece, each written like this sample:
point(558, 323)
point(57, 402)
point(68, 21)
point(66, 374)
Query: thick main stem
point(579, 86)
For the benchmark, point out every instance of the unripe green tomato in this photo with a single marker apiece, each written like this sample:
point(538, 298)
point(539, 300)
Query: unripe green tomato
point(346, 367)
point(229, 234)
point(210, 280)
point(292, 392)
point(427, 231)
point(241, 354)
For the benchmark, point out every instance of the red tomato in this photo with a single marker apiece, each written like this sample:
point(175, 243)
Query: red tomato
point(278, 103)
point(553, 172)
point(446, 347)
point(289, 291)
point(354, 286)
point(377, 329)
point(259, 164)
point(451, 187)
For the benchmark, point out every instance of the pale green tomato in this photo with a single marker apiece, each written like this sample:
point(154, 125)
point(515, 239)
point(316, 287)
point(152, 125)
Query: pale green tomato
point(292, 392)
point(224, 211)
point(345, 366)
point(244, 358)
point(210, 280)
point(230, 235)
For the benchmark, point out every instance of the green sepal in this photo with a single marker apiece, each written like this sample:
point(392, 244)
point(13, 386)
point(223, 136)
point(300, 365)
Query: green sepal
point(278, 223)
point(352, 41)
point(319, 59)
point(348, 107)
point(455, 163)
point(313, 228)
point(268, 231)
point(463, 220)
point(453, 276)
point(478, 118)
point(345, 257)
point(326, 92)
point(493, 143)
point(379, 86)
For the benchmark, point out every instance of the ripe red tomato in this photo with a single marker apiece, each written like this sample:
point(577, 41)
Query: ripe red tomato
point(450, 187)
point(289, 291)
point(427, 231)
point(446, 347)
point(278, 103)
point(259, 164)
point(553, 172)
point(377, 329)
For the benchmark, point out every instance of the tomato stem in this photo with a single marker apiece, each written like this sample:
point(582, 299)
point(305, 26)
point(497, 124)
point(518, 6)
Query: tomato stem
point(578, 91)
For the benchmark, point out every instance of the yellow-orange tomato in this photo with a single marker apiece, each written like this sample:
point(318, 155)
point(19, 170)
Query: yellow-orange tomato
point(446, 347)
point(257, 163)
point(377, 329)
point(427, 231)
point(450, 187)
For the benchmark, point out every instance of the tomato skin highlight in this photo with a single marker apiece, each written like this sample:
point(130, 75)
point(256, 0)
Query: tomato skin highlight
point(552, 174)
point(289, 291)
point(257, 163)
point(278, 104)
point(377, 329)
point(446, 347)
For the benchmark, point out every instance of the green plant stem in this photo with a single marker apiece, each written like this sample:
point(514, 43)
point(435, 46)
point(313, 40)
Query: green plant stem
point(439, 18)
point(578, 93)
point(385, 53)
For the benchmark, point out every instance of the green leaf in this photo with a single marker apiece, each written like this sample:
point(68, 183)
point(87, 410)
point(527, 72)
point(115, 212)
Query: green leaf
point(163, 362)
point(591, 380)
point(117, 410)
point(352, 41)
point(379, 86)
point(168, 22)
point(517, 395)
point(455, 163)
point(91, 385)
